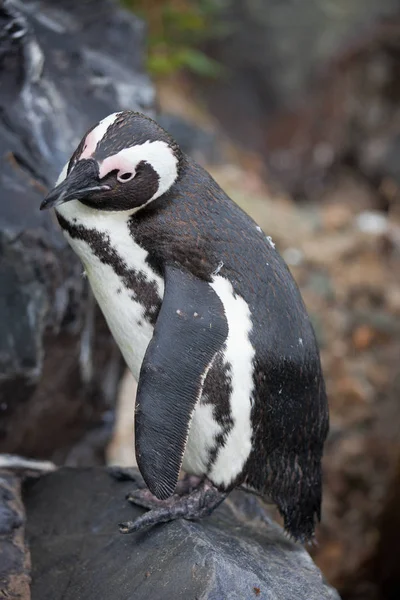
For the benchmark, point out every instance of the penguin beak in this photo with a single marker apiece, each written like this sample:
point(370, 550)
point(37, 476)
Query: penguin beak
point(81, 181)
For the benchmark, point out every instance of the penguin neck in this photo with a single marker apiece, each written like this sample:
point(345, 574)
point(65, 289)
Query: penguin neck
point(105, 236)
point(77, 213)
point(194, 178)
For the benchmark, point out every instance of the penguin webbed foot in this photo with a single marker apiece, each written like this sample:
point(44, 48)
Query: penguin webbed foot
point(143, 497)
point(199, 503)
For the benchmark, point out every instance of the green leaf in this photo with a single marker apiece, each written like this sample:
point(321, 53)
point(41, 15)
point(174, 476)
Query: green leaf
point(199, 63)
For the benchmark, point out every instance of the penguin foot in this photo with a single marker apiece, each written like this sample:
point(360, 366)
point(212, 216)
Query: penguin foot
point(144, 498)
point(199, 503)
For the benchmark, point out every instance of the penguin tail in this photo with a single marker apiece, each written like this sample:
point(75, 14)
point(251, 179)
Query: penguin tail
point(294, 485)
point(299, 503)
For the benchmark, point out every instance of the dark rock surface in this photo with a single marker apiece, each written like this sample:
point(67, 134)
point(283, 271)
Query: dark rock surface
point(64, 66)
point(14, 555)
point(77, 552)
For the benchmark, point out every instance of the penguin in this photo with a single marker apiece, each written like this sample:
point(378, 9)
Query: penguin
point(208, 319)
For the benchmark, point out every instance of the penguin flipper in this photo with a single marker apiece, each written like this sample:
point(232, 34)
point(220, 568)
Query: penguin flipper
point(191, 327)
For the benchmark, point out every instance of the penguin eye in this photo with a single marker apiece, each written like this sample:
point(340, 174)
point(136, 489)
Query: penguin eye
point(124, 177)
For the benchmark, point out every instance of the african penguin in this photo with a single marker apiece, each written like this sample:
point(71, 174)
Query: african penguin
point(208, 319)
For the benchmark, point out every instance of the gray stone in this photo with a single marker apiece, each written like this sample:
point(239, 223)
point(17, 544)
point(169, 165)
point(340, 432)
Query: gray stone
point(78, 554)
point(64, 66)
point(14, 555)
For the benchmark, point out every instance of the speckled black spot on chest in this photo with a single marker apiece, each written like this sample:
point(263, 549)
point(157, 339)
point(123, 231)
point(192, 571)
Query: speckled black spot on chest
point(144, 291)
point(217, 391)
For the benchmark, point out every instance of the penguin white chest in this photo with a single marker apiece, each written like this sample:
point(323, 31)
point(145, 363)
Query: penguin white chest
point(124, 314)
point(113, 267)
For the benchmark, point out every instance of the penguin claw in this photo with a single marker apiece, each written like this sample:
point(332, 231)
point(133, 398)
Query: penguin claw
point(127, 527)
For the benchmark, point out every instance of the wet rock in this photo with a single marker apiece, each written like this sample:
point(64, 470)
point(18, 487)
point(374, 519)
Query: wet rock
point(77, 551)
point(64, 66)
point(14, 555)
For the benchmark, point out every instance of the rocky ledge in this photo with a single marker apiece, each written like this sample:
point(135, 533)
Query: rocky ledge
point(77, 552)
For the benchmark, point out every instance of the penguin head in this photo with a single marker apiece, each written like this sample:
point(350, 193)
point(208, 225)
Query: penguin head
point(122, 163)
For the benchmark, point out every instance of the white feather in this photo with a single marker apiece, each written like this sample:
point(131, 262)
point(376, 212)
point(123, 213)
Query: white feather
point(94, 136)
point(115, 226)
point(203, 431)
point(63, 174)
point(239, 354)
point(121, 312)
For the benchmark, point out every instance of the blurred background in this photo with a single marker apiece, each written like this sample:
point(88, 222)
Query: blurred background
point(294, 107)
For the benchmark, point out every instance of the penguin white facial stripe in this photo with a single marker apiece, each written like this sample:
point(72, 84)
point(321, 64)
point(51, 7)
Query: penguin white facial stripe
point(158, 154)
point(63, 174)
point(239, 354)
point(94, 136)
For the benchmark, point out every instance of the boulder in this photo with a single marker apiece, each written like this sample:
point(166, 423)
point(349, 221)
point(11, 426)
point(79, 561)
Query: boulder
point(77, 552)
point(14, 555)
point(64, 66)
